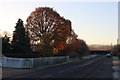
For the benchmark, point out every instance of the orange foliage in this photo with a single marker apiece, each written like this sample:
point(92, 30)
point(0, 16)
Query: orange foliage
point(76, 45)
point(61, 45)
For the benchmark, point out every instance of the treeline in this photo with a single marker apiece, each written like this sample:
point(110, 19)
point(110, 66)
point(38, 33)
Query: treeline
point(45, 34)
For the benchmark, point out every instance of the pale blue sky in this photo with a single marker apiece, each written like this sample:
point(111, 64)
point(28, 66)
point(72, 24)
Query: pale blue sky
point(94, 22)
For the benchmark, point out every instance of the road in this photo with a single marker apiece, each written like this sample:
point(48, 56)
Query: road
point(97, 67)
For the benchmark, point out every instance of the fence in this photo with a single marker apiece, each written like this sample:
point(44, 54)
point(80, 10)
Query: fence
point(17, 62)
point(38, 62)
point(32, 62)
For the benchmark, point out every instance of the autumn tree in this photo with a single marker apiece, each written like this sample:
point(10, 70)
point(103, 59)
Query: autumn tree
point(76, 45)
point(70, 43)
point(45, 45)
point(20, 42)
point(83, 47)
point(46, 20)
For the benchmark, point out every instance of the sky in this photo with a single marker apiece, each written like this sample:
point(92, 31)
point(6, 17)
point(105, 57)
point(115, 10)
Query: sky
point(94, 22)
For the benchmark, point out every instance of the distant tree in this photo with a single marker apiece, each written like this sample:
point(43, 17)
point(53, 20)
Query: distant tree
point(46, 20)
point(5, 45)
point(20, 41)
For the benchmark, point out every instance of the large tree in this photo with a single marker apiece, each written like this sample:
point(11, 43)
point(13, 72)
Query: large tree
point(20, 41)
point(46, 20)
point(76, 45)
point(45, 45)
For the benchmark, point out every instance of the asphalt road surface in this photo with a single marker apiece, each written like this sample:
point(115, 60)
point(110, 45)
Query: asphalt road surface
point(97, 67)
